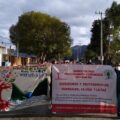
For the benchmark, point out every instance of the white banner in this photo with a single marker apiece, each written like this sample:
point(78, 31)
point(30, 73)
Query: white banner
point(83, 89)
point(25, 79)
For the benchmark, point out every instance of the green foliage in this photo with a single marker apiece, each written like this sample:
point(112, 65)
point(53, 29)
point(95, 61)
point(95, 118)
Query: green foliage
point(40, 34)
point(113, 15)
point(111, 26)
point(90, 54)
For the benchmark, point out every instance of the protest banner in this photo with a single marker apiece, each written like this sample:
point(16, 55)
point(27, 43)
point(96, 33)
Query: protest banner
point(19, 83)
point(83, 89)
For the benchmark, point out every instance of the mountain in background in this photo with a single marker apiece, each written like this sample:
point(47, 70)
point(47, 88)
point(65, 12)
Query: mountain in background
point(78, 52)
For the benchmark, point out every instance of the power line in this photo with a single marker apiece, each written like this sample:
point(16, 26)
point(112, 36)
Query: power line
point(6, 39)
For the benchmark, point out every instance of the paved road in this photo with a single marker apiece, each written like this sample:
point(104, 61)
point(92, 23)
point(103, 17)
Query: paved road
point(40, 110)
point(43, 112)
point(56, 118)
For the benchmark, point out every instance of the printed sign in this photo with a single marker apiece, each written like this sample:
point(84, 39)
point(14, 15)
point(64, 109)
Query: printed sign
point(83, 89)
point(27, 79)
point(5, 95)
point(20, 83)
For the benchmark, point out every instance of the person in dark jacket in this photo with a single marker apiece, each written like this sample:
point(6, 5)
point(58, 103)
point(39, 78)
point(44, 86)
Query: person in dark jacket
point(117, 70)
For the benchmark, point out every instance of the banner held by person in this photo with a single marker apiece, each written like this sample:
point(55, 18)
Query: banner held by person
point(20, 83)
point(83, 89)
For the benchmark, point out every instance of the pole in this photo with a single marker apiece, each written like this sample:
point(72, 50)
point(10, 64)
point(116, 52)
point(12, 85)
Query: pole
point(79, 51)
point(101, 38)
point(17, 49)
point(78, 54)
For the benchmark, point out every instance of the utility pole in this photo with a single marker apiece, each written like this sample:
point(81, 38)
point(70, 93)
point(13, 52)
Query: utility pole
point(17, 49)
point(78, 51)
point(101, 36)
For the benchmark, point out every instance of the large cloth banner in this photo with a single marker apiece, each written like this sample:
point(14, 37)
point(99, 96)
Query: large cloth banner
point(83, 89)
point(20, 83)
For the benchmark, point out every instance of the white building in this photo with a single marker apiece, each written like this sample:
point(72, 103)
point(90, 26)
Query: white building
point(5, 46)
point(3, 50)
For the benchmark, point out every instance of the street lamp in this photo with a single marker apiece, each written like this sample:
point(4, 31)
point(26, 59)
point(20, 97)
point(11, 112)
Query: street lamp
point(101, 37)
point(110, 39)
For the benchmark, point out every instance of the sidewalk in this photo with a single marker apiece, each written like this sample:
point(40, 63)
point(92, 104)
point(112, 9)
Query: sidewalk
point(43, 112)
point(40, 108)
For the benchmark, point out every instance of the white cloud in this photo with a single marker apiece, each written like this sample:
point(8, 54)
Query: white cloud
point(77, 31)
point(79, 14)
point(81, 35)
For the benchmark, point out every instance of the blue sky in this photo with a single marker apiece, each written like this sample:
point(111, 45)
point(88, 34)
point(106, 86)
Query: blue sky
point(78, 14)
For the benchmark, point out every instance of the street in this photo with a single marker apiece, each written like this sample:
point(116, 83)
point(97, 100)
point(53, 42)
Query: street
point(43, 112)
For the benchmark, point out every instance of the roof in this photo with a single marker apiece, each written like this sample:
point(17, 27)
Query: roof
point(14, 53)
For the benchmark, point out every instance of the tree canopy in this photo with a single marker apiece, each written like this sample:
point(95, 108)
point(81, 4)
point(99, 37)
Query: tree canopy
point(40, 34)
point(111, 38)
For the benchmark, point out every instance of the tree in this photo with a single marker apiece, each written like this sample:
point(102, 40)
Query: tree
point(111, 26)
point(40, 34)
point(93, 50)
point(113, 16)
